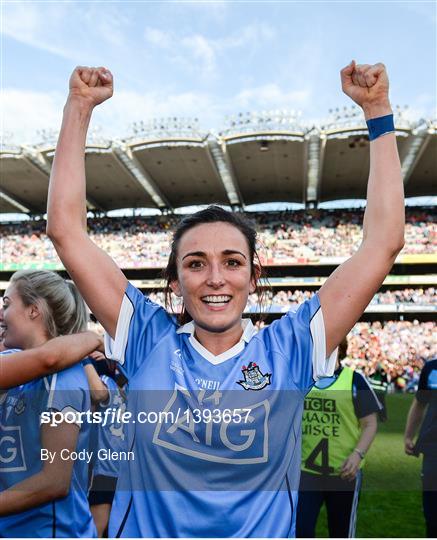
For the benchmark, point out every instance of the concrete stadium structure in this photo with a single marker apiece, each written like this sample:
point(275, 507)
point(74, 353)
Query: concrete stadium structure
point(258, 157)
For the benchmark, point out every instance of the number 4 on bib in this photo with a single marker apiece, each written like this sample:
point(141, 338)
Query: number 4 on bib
point(322, 449)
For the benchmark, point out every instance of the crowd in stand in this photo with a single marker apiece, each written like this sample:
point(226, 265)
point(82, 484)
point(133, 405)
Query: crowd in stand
point(398, 347)
point(407, 296)
point(283, 236)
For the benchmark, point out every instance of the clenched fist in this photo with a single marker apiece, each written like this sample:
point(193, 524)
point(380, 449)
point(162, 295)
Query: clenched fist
point(368, 86)
point(94, 85)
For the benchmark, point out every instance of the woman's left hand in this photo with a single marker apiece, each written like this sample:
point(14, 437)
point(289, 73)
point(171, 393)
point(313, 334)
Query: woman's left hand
point(368, 86)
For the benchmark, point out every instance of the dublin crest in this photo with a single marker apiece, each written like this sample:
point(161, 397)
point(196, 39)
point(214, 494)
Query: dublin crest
point(253, 378)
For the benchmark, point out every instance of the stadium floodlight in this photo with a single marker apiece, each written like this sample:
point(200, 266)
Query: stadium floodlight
point(224, 168)
point(49, 137)
point(352, 118)
point(7, 143)
point(125, 155)
point(264, 146)
point(344, 118)
point(163, 128)
point(265, 121)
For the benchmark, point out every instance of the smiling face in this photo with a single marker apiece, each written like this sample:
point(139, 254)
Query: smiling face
point(214, 276)
point(17, 320)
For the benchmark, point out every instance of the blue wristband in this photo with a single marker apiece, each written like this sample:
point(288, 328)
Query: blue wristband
point(380, 126)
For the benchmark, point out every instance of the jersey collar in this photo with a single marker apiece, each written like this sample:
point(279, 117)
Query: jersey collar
point(249, 331)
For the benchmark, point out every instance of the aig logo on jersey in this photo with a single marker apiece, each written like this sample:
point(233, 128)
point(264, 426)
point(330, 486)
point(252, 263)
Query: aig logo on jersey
point(253, 378)
point(203, 426)
point(11, 449)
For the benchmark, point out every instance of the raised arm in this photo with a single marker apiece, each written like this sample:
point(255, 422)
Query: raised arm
point(54, 355)
point(350, 288)
point(98, 278)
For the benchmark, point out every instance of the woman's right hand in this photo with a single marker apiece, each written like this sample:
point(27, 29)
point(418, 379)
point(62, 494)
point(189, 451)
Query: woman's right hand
point(92, 85)
point(96, 341)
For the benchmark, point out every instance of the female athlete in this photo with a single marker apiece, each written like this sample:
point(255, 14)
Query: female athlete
point(224, 461)
point(42, 489)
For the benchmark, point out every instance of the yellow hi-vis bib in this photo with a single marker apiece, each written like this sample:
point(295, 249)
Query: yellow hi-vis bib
point(330, 428)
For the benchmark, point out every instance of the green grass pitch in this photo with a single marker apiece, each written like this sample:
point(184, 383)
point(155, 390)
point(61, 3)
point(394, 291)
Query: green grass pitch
point(391, 497)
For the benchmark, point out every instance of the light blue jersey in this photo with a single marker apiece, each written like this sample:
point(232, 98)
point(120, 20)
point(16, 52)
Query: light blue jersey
point(197, 472)
point(108, 436)
point(20, 454)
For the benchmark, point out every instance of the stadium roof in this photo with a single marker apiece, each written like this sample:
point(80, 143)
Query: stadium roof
point(257, 158)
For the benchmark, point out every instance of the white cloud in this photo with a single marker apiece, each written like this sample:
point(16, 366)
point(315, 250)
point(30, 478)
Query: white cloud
point(69, 30)
point(200, 54)
point(271, 96)
point(201, 50)
point(423, 106)
point(25, 113)
point(158, 37)
point(25, 23)
point(250, 35)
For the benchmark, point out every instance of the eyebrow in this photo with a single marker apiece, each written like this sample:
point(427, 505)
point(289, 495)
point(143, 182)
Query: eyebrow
point(203, 254)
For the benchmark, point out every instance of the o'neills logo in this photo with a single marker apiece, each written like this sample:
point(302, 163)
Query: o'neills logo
point(253, 378)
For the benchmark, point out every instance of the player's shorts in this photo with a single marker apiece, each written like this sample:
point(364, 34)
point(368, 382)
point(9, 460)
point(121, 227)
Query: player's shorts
point(102, 490)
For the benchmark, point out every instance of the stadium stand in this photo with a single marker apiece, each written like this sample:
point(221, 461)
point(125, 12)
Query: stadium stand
point(256, 158)
point(291, 237)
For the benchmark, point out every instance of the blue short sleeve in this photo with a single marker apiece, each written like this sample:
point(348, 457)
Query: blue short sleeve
point(427, 382)
point(300, 337)
point(112, 387)
point(68, 391)
point(141, 324)
point(364, 398)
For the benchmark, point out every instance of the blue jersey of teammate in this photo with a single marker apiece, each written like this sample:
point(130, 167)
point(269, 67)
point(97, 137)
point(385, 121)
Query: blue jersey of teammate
point(108, 436)
point(20, 454)
point(193, 477)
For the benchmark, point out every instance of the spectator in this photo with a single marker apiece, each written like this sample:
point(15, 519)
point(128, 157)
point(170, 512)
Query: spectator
point(423, 412)
point(285, 237)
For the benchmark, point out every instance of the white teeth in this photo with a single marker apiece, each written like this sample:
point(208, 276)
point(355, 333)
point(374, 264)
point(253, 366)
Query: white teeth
point(216, 300)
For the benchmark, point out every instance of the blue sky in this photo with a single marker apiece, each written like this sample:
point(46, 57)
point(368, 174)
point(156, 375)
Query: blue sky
point(209, 59)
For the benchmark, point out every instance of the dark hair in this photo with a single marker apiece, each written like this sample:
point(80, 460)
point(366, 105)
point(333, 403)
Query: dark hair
point(212, 214)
